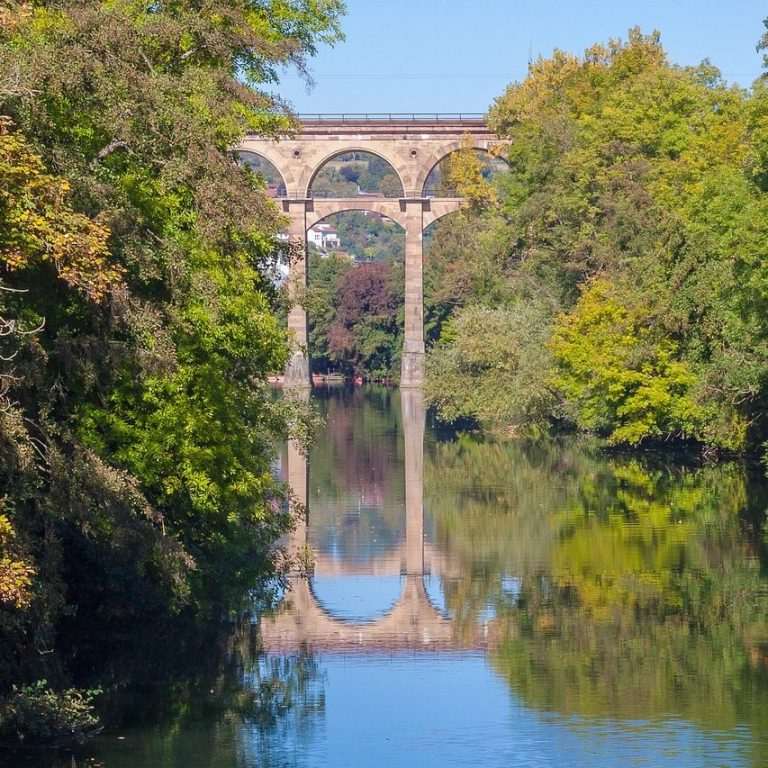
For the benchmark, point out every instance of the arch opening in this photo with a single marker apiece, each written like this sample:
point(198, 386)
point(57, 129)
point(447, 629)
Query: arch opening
point(358, 598)
point(356, 293)
point(439, 184)
point(266, 170)
point(355, 173)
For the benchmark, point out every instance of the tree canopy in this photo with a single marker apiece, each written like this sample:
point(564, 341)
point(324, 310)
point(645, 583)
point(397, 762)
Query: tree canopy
point(137, 307)
point(634, 217)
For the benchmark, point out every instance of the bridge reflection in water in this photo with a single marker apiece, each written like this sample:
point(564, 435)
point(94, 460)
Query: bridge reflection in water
point(413, 623)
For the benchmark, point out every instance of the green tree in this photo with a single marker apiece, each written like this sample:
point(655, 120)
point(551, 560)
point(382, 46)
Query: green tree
point(617, 376)
point(650, 177)
point(492, 366)
point(324, 276)
point(136, 451)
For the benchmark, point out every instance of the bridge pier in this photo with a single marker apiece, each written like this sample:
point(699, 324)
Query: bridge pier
point(297, 475)
point(297, 371)
point(412, 367)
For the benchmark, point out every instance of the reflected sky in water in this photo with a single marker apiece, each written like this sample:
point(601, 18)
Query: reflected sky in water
point(439, 710)
point(491, 603)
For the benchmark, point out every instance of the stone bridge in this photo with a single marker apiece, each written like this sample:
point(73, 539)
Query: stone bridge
point(413, 145)
point(413, 623)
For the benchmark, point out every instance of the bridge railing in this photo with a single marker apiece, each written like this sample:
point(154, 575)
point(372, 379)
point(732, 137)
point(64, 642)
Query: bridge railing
point(391, 117)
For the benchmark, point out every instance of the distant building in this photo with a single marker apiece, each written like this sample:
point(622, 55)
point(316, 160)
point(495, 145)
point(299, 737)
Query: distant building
point(323, 236)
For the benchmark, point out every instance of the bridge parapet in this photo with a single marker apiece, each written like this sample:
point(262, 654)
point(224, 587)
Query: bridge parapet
point(392, 126)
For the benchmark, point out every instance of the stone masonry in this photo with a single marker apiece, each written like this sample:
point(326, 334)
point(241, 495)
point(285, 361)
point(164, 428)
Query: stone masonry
point(413, 146)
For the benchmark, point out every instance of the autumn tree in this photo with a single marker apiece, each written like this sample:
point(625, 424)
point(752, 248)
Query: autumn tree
point(136, 449)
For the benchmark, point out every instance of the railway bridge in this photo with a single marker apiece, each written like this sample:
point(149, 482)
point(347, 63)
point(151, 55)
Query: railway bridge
point(413, 145)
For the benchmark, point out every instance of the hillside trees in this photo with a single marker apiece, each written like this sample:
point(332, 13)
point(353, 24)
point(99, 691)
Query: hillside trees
point(635, 209)
point(137, 432)
point(352, 173)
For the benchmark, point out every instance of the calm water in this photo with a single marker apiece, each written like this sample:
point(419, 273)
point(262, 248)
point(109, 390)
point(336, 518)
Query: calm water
point(486, 604)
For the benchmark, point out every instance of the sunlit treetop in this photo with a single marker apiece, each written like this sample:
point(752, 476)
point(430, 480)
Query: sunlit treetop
point(37, 223)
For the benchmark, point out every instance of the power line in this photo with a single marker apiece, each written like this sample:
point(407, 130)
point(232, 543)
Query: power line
point(403, 76)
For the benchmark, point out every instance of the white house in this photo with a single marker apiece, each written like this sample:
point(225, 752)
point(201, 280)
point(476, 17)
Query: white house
point(323, 236)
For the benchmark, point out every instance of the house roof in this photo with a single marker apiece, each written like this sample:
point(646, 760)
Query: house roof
point(324, 229)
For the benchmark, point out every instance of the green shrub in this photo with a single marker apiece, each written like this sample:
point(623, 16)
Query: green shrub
point(37, 714)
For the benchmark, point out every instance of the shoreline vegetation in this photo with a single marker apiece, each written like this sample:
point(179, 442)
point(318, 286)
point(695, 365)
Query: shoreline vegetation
point(138, 325)
point(614, 280)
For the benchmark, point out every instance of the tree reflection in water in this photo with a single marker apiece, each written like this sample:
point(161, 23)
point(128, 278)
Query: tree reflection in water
point(640, 586)
point(234, 706)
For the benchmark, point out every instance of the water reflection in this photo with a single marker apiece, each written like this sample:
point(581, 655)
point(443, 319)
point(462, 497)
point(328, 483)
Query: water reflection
point(477, 602)
point(412, 623)
point(625, 595)
point(357, 487)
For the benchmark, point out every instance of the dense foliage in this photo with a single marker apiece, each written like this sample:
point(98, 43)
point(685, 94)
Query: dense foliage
point(355, 316)
point(137, 321)
point(631, 231)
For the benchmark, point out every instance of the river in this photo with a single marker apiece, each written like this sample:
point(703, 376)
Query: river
point(485, 603)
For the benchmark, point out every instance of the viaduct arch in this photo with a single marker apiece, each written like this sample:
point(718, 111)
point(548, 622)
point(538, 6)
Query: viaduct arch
point(413, 145)
point(413, 623)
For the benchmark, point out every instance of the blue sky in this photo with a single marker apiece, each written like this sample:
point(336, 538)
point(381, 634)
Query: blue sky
point(457, 55)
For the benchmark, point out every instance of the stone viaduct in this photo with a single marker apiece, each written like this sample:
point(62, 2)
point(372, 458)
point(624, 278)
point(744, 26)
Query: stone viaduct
point(413, 145)
point(414, 623)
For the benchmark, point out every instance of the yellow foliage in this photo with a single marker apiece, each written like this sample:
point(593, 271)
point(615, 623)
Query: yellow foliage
point(465, 174)
point(37, 222)
point(15, 574)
